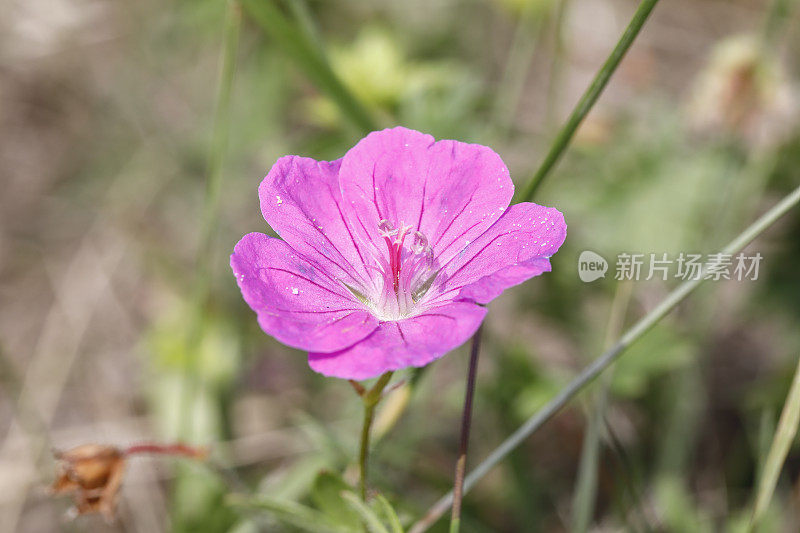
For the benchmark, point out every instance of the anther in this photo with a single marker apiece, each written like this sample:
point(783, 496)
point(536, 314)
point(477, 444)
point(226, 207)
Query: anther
point(420, 243)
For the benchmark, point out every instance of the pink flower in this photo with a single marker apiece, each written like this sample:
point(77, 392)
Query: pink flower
point(388, 254)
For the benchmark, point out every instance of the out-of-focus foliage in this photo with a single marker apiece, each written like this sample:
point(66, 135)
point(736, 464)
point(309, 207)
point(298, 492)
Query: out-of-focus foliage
point(527, 6)
point(744, 91)
point(378, 70)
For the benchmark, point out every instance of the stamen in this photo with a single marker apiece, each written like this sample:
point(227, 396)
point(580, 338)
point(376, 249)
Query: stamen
point(386, 229)
point(406, 274)
point(420, 243)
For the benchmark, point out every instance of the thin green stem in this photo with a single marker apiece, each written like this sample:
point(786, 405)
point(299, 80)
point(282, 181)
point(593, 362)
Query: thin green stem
point(588, 99)
point(466, 423)
point(306, 23)
point(509, 92)
point(589, 373)
point(781, 442)
point(307, 55)
point(554, 84)
point(210, 220)
point(219, 140)
point(586, 486)
point(370, 398)
point(363, 455)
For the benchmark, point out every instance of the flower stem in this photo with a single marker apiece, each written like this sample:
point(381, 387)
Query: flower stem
point(181, 450)
point(466, 423)
point(588, 99)
point(363, 455)
point(370, 398)
point(590, 372)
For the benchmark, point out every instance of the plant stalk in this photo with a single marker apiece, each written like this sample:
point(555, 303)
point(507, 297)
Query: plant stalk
point(466, 423)
point(779, 449)
point(588, 99)
point(586, 486)
point(370, 398)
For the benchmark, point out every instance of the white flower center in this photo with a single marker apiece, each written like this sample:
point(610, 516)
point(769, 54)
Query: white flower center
point(404, 274)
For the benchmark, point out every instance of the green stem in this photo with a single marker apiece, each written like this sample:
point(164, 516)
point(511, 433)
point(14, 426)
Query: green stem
point(369, 411)
point(466, 423)
point(306, 24)
point(509, 92)
point(554, 84)
point(370, 398)
point(588, 99)
point(589, 373)
point(219, 140)
point(586, 486)
point(781, 443)
point(210, 219)
point(307, 56)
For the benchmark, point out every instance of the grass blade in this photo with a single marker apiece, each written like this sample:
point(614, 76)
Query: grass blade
point(586, 487)
point(784, 436)
point(369, 517)
point(588, 99)
point(389, 514)
point(297, 515)
point(307, 56)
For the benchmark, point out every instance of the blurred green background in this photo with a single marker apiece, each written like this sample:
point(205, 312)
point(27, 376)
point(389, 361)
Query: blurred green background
point(106, 121)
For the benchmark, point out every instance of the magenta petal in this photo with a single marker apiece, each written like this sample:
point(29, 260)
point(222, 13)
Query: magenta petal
point(301, 200)
point(449, 191)
point(490, 287)
point(296, 302)
point(411, 342)
point(513, 250)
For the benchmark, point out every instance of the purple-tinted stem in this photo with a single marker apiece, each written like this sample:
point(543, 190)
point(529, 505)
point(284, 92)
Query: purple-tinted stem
point(466, 423)
point(167, 449)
